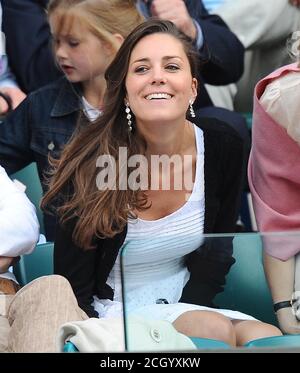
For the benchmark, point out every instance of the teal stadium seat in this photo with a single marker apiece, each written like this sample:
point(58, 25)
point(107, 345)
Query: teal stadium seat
point(246, 287)
point(248, 118)
point(209, 344)
point(70, 347)
point(247, 290)
point(284, 341)
point(30, 178)
point(38, 263)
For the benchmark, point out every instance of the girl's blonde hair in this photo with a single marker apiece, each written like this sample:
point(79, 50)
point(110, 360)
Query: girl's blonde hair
point(102, 17)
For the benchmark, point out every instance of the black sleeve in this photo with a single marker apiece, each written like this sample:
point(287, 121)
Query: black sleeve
point(232, 180)
point(222, 49)
point(28, 43)
point(15, 135)
point(207, 275)
point(78, 266)
point(210, 264)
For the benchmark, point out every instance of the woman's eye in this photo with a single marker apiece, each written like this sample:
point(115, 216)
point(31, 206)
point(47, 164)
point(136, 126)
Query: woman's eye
point(140, 69)
point(172, 67)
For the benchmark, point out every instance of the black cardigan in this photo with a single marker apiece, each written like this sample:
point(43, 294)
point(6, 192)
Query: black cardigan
point(224, 166)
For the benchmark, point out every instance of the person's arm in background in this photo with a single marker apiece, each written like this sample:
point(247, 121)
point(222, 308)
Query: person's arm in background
point(273, 174)
point(259, 23)
point(15, 137)
point(28, 43)
point(8, 84)
point(281, 278)
point(218, 46)
point(9, 87)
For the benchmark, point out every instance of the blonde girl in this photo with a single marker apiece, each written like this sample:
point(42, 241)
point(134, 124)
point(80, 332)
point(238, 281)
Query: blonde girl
point(86, 36)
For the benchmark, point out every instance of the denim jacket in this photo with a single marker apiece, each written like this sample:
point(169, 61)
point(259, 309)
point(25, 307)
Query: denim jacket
point(40, 126)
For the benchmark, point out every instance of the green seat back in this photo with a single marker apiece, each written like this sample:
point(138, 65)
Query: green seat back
point(246, 287)
point(38, 263)
point(30, 178)
point(69, 347)
point(248, 117)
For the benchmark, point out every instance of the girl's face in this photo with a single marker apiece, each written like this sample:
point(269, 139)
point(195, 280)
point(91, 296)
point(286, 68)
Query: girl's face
point(80, 54)
point(159, 82)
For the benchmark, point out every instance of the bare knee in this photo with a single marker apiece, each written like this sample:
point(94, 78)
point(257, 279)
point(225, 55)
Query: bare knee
point(247, 331)
point(206, 324)
point(263, 330)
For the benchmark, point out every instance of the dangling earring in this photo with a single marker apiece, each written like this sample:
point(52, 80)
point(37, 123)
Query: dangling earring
point(192, 112)
point(128, 116)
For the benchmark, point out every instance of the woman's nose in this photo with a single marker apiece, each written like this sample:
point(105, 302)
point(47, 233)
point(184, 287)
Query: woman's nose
point(158, 77)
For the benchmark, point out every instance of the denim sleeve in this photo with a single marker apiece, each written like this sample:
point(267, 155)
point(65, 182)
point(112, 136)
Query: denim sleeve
point(30, 52)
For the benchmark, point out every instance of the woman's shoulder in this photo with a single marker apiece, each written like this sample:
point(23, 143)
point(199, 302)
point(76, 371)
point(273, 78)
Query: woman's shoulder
point(216, 129)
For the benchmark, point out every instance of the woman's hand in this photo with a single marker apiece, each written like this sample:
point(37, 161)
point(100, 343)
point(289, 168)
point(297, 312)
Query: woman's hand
point(287, 321)
point(5, 263)
point(177, 12)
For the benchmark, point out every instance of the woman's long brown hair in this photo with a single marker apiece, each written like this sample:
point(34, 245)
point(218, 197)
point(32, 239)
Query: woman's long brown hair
point(104, 213)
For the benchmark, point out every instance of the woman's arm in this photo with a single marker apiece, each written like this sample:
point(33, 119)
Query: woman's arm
point(78, 266)
point(30, 53)
point(225, 175)
point(281, 277)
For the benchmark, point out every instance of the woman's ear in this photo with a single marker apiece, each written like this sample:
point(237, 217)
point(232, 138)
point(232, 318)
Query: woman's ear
point(126, 100)
point(194, 87)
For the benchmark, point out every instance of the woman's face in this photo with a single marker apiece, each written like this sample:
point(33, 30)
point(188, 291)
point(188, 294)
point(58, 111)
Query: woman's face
point(80, 54)
point(159, 83)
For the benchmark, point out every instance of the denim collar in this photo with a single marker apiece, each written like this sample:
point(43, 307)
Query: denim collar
point(68, 99)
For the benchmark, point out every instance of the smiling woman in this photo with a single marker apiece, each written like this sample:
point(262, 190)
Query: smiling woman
point(135, 81)
point(151, 84)
point(160, 83)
